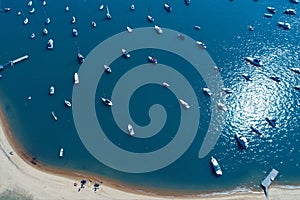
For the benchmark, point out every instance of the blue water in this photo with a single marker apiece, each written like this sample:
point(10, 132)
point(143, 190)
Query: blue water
point(224, 29)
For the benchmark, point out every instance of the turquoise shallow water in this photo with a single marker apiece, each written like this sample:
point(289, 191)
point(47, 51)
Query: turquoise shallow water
point(224, 29)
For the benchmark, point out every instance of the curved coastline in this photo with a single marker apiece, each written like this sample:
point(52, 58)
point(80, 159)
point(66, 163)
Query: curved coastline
point(43, 182)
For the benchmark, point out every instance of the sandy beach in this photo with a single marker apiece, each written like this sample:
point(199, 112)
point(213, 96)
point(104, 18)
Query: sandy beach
point(19, 175)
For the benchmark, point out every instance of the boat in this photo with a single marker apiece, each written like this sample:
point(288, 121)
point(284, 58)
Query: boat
point(180, 36)
point(247, 77)
point(227, 90)
point(94, 24)
point(68, 103)
point(296, 70)
point(255, 130)
point(207, 91)
point(51, 90)
point(284, 25)
point(106, 101)
point(76, 78)
point(129, 29)
point(201, 45)
point(222, 106)
point(165, 84)
point(32, 35)
point(297, 87)
point(47, 20)
point(132, 7)
point(73, 20)
point(275, 78)
point(32, 11)
point(74, 32)
point(150, 18)
point(158, 29)
point(216, 166)
point(67, 8)
point(107, 68)
point(80, 58)
point(6, 9)
point(44, 3)
point(251, 28)
point(19, 13)
point(130, 130)
point(101, 7)
point(272, 122)
point(295, 1)
point(29, 4)
point(45, 31)
point(61, 153)
point(290, 11)
point(168, 7)
point(271, 9)
point(187, 2)
point(184, 104)
point(197, 27)
point(108, 15)
point(254, 61)
point(54, 116)
point(26, 21)
point(152, 59)
point(50, 44)
point(125, 53)
point(243, 142)
point(268, 15)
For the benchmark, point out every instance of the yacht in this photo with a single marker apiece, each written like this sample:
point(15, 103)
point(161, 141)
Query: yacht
point(32, 11)
point(32, 35)
point(165, 84)
point(26, 21)
point(67, 8)
point(107, 68)
point(275, 78)
point(129, 29)
point(247, 77)
point(268, 15)
point(168, 7)
point(130, 130)
point(207, 91)
point(216, 166)
point(296, 70)
point(106, 101)
point(94, 24)
point(45, 31)
point(47, 21)
point(158, 29)
point(68, 103)
point(76, 78)
point(74, 32)
point(241, 140)
point(271, 9)
point(152, 59)
point(73, 20)
point(61, 153)
point(290, 11)
point(132, 7)
point(51, 90)
point(54, 116)
point(125, 53)
point(108, 16)
point(80, 58)
point(197, 27)
point(101, 7)
point(50, 44)
point(272, 122)
point(255, 130)
point(284, 25)
point(184, 104)
point(150, 18)
point(29, 4)
point(254, 61)
point(201, 45)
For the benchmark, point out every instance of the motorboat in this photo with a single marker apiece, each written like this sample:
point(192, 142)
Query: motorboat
point(106, 101)
point(32, 11)
point(54, 116)
point(271, 9)
point(47, 20)
point(207, 91)
point(125, 53)
point(61, 153)
point(94, 24)
point(296, 70)
point(74, 32)
point(184, 104)
point(297, 87)
point(158, 29)
point(201, 45)
point(45, 31)
point(242, 141)
point(187, 2)
point(19, 13)
point(168, 7)
point(268, 15)
point(290, 11)
point(76, 78)
point(152, 59)
point(68, 103)
point(275, 78)
point(295, 1)
point(284, 25)
point(197, 27)
point(6, 9)
point(227, 90)
point(101, 7)
point(51, 90)
point(29, 4)
point(254, 61)
point(108, 15)
point(80, 58)
point(247, 77)
point(50, 44)
point(44, 3)
point(73, 20)
point(130, 130)
point(132, 7)
point(272, 122)
point(129, 29)
point(26, 21)
point(150, 18)
point(32, 35)
point(165, 84)
point(180, 36)
point(251, 28)
point(67, 8)
point(107, 68)
point(216, 166)
point(255, 130)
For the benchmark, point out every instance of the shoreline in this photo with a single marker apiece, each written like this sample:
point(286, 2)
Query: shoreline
point(22, 164)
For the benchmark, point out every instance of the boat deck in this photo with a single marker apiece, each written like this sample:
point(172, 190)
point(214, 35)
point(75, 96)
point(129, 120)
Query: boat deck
point(268, 180)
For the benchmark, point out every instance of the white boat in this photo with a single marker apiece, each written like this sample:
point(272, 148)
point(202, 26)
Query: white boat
point(207, 91)
point(73, 20)
point(50, 44)
point(130, 130)
point(68, 103)
point(268, 15)
point(150, 18)
point(129, 29)
point(101, 7)
point(297, 87)
point(44, 3)
point(227, 90)
point(165, 84)
point(296, 70)
point(19, 13)
point(251, 28)
point(47, 20)
point(132, 7)
point(26, 21)
point(168, 7)
point(108, 15)
point(32, 11)
point(45, 31)
point(74, 32)
point(254, 61)
point(32, 35)
point(152, 59)
point(241, 140)
point(222, 106)
point(295, 1)
point(61, 153)
point(158, 29)
point(54, 116)
point(284, 25)
point(271, 9)
point(216, 166)
point(125, 53)
point(247, 77)
point(80, 58)
point(67, 9)
point(29, 4)
point(290, 11)
point(197, 27)
point(94, 24)
point(107, 68)
point(106, 101)
point(51, 90)
point(185, 104)
point(76, 78)
point(201, 45)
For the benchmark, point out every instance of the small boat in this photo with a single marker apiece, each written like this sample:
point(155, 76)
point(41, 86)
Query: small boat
point(76, 78)
point(254, 61)
point(44, 3)
point(125, 53)
point(101, 7)
point(29, 4)
point(108, 15)
point(152, 59)
point(54, 116)
point(242, 141)
point(67, 8)
point(94, 24)
point(251, 28)
point(107, 68)
point(129, 29)
point(74, 32)
point(106, 101)
point(275, 78)
point(19, 13)
point(201, 45)
point(6, 9)
point(268, 15)
point(68, 103)
point(51, 90)
point(271, 9)
point(227, 90)
point(45, 31)
point(297, 87)
point(187, 2)
point(197, 27)
point(180, 36)
point(207, 91)
point(165, 84)
point(61, 153)
point(296, 70)
point(216, 166)
point(184, 104)
point(158, 29)
point(73, 20)
point(295, 1)
point(290, 11)
point(130, 130)
point(80, 58)
point(284, 25)
point(255, 130)
point(272, 122)
point(47, 21)
point(32, 35)
point(222, 106)
point(247, 77)
point(150, 18)
point(32, 11)
point(132, 7)
point(50, 44)
point(168, 7)
point(26, 21)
